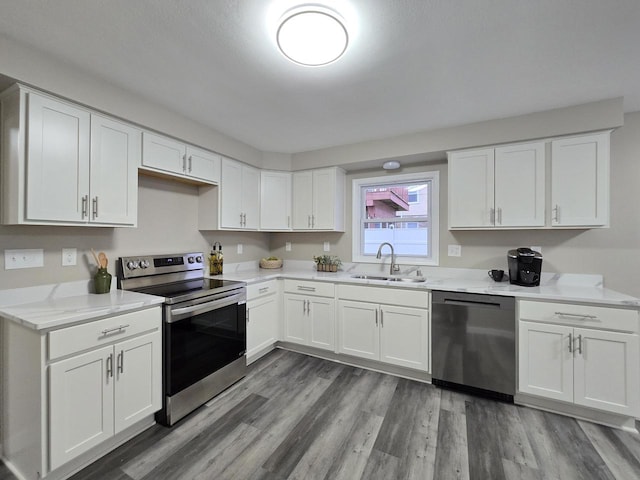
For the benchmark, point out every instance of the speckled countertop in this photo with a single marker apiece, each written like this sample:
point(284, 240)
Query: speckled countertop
point(553, 287)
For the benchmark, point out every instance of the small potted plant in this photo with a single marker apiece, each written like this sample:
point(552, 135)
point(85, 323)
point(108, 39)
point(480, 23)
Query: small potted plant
point(327, 263)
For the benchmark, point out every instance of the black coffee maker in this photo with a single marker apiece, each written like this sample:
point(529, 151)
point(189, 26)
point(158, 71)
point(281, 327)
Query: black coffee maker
point(525, 267)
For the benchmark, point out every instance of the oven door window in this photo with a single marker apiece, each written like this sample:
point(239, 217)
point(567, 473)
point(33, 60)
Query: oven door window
point(201, 344)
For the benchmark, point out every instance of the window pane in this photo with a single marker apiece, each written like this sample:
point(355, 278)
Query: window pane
point(397, 200)
point(407, 238)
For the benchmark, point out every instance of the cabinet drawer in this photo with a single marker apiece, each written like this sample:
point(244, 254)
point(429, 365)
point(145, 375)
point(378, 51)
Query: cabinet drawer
point(319, 289)
point(261, 289)
point(608, 318)
point(390, 296)
point(102, 332)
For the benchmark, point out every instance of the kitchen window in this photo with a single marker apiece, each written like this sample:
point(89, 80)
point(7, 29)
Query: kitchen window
point(401, 210)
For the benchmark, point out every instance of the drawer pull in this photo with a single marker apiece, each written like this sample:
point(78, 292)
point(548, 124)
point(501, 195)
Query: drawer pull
point(263, 290)
point(118, 329)
point(306, 289)
point(576, 315)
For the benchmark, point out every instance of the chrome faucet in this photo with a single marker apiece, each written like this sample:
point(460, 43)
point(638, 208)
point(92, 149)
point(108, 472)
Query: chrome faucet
point(393, 267)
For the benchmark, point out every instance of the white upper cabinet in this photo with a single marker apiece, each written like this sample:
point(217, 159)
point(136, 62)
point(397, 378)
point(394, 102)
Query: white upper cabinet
point(166, 156)
point(580, 181)
point(239, 196)
point(318, 199)
point(494, 188)
point(275, 200)
point(65, 165)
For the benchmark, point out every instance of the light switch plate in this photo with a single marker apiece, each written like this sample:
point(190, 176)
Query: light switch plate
point(69, 256)
point(287, 246)
point(455, 250)
point(240, 249)
point(327, 247)
point(32, 258)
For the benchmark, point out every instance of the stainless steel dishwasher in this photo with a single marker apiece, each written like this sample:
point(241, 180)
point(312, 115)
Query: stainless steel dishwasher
point(473, 343)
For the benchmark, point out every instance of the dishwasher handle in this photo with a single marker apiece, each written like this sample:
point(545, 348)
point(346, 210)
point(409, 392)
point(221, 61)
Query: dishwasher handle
point(472, 303)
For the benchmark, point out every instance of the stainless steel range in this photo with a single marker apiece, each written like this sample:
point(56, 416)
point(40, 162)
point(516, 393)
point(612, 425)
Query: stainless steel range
point(204, 327)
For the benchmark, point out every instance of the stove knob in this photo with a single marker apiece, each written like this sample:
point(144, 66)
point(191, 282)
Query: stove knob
point(132, 265)
point(190, 260)
point(144, 263)
point(199, 259)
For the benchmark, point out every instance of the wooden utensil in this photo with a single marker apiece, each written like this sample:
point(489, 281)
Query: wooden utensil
point(103, 260)
point(93, 252)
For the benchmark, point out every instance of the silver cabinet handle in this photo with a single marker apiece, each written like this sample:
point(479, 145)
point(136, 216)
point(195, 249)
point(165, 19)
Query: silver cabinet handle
point(492, 216)
point(263, 290)
point(184, 162)
point(309, 221)
point(556, 214)
point(246, 316)
point(85, 205)
point(500, 216)
point(95, 207)
point(244, 219)
point(576, 315)
point(570, 343)
point(313, 221)
point(190, 163)
point(381, 318)
point(120, 362)
point(288, 221)
point(117, 329)
point(376, 317)
point(308, 307)
point(110, 365)
point(580, 344)
point(306, 289)
point(241, 219)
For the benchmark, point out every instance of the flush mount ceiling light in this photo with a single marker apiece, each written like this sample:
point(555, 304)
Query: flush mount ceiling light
point(391, 165)
point(312, 35)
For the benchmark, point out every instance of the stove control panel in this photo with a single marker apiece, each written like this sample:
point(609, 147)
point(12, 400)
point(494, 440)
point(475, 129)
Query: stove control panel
point(129, 267)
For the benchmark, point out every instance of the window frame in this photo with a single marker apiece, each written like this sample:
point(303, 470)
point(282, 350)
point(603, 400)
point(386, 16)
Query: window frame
point(358, 209)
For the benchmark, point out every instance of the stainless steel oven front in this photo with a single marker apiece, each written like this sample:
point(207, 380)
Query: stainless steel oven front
point(205, 345)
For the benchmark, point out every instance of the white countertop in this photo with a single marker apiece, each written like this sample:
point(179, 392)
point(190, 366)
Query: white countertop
point(553, 287)
point(48, 307)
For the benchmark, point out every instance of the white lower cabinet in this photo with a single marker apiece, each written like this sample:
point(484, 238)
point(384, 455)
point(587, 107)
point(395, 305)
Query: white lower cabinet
point(592, 367)
point(263, 319)
point(99, 383)
point(309, 316)
point(398, 335)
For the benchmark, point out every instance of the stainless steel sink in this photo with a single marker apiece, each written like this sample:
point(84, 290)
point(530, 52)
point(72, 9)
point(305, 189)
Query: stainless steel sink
point(387, 278)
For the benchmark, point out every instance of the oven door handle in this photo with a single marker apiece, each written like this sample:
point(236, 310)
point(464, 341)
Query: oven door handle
point(180, 313)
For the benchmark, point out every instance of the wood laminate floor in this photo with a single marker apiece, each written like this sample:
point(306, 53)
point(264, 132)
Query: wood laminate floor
point(300, 417)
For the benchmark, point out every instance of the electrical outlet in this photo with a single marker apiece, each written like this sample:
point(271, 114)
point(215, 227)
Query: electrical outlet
point(32, 258)
point(69, 256)
point(327, 247)
point(455, 250)
point(240, 249)
point(287, 246)
point(537, 249)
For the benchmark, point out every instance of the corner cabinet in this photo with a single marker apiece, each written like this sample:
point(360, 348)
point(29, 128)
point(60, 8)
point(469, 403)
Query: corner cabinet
point(165, 156)
point(579, 354)
point(384, 324)
point(580, 181)
point(309, 313)
point(319, 200)
point(497, 187)
point(65, 165)
point(77, 392)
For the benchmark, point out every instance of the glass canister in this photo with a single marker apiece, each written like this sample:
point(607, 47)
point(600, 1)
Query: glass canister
point(102, 281)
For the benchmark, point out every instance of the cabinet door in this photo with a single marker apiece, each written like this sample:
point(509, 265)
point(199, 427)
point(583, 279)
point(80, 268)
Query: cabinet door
point(580, 181)
point(231, 195)
point(80, 404)
point(322, 315)
point(358, 333)
point(115, 158)
point(163, 153)
point(262, 325)
point(57, 161)
point(606, 371)
point(471, 188)
point(546, 360)
point(302, 202)
point(275, 201)
point(203, 165)
point(138, 373)
point(296, 320)
point(250, 197)
point(404, 336)
point(324, 199)
point(520, 185)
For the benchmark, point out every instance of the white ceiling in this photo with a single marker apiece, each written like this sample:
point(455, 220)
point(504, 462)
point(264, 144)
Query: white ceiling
point(412, 65)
